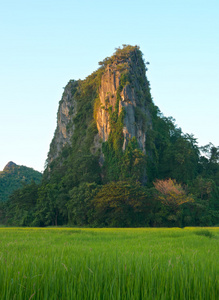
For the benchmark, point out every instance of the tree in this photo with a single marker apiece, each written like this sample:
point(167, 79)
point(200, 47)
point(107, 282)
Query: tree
point(21, 205)
point(205, 210)
point(122, 204)
point(133, 162)
point(172, 196)
point(79, 205)
point(47, 206)
point(209, 162)
point(211, 152)
point(170, 153)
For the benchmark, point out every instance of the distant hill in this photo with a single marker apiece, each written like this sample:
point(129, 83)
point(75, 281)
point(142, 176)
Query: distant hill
point(13, 176)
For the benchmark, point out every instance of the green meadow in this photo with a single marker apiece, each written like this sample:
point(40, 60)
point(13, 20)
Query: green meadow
point(142, 263)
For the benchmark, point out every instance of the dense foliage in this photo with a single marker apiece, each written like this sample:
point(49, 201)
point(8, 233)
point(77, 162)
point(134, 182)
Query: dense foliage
point(173, 183)
point(14, 177)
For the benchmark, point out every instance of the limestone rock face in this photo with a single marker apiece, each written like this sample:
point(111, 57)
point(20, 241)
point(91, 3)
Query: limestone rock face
point(123, 87)
point(132, 95)
point(65, 126)
point(107, 95)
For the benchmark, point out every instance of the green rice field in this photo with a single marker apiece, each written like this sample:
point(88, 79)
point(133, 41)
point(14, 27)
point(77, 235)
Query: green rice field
point(140, 263)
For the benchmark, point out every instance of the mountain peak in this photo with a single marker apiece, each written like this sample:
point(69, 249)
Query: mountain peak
point(9, 165)
point(101, 115)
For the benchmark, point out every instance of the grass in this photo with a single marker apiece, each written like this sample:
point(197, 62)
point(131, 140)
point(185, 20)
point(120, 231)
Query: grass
point(66, 263)
point(205, 232)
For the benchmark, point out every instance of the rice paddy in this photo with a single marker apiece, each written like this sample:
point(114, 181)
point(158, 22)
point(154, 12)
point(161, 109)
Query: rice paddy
point(140, 263)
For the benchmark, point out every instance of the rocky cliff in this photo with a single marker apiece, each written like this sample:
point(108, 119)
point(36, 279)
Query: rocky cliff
point(111, 105)
point(66, 112)
point(124, 78)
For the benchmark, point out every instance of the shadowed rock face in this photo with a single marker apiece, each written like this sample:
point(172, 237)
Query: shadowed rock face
point(66, 112)
point(132, 99)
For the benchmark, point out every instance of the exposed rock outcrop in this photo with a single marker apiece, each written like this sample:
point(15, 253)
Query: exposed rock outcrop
point(122, 86)
point(132, 92)
point(65, 125)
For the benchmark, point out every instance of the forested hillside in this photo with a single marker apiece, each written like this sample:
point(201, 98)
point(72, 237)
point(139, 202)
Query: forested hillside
point(115, 160)
point(14, 177)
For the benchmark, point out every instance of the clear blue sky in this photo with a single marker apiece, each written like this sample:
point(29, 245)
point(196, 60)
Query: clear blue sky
point(44, 44)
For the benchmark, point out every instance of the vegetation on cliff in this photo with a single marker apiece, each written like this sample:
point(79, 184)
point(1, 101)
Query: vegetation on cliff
point(118, 147)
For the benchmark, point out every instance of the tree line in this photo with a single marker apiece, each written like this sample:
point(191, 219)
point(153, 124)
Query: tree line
point(181, 187)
